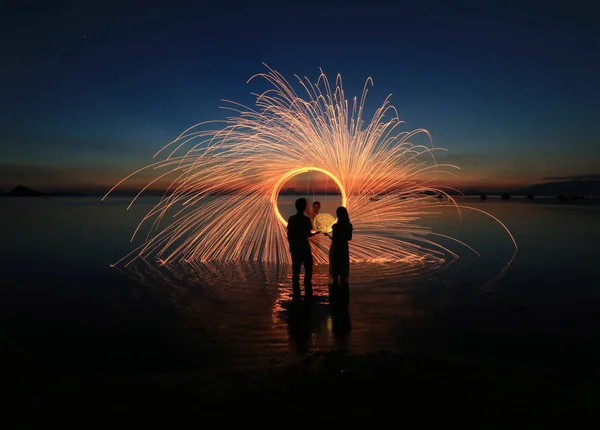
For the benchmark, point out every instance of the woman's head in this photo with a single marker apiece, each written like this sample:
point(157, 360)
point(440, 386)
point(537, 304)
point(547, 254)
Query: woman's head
point(342, 214)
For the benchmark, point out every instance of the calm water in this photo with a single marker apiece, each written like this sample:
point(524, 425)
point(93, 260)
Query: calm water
point(64, 310)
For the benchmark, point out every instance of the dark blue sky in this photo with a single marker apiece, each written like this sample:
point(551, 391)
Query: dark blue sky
point(90, 90)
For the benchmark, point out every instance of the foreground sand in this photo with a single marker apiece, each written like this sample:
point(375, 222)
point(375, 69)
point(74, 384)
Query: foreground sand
point(332, 390)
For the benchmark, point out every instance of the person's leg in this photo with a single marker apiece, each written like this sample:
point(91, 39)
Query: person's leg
point(308, 270)
point(332, 277)
point(335, 270)
point(344, 279)
point(296, 264)
point(344, 270)
point(344, 283)
point(335, 279)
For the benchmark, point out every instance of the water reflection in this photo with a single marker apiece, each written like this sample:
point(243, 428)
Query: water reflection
point(59, 268)
point(251, 308)
point(304, 318)
point(307, 317)
point(249, 312)
point(339, 299)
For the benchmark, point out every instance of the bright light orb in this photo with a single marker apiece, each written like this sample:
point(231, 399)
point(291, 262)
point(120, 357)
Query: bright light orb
point(324, 222)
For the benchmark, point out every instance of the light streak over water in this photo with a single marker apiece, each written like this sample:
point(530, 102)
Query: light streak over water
point(221, 204)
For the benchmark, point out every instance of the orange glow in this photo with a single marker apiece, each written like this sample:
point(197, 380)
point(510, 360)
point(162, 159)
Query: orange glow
point(221, 204)
point(293, 173)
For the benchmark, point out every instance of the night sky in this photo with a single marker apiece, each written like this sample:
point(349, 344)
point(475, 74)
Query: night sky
point(90, 90)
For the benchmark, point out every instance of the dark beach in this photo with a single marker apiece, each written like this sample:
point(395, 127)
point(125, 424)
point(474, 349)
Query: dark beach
point(90, 346)
point(323, 390)
point(452, 148)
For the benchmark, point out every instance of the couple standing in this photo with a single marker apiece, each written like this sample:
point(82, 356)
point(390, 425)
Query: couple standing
point(299, 229)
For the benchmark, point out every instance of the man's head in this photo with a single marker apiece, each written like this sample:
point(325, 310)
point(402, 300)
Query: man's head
point(316, 207)
point(300, 204)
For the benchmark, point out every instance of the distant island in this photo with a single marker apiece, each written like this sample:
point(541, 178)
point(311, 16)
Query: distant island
point(21, 191)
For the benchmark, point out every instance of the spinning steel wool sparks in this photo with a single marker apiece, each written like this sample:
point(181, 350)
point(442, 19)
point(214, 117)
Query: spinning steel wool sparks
point(221, 204)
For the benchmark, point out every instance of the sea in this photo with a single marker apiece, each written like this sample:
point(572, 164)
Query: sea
point(66, 311)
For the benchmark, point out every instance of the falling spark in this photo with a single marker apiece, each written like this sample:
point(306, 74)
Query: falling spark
point(221, 204)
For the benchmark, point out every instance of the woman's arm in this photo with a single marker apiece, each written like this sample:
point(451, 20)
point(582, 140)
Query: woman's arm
point(309, 229)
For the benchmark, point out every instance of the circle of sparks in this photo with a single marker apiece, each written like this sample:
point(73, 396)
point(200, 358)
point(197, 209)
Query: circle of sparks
point(222, 182)
point(295, 172)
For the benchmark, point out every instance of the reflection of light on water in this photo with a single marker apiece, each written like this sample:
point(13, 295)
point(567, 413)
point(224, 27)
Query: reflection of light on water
point(240, 289)
point(211, 275)
point(246, 306)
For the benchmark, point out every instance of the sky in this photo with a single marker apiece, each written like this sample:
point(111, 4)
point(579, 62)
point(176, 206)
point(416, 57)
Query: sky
point(89, 91)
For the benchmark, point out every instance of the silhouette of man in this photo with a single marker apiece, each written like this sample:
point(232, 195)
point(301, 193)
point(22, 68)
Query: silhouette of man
point(299, 229)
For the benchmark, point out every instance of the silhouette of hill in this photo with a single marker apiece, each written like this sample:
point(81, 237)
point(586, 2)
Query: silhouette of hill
point(21, 191)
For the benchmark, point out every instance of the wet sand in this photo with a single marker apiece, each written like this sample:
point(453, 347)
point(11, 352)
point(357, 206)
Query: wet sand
point(330, 390)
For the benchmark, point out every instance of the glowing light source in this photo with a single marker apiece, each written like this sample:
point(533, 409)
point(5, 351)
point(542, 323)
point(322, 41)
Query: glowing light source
point(324, 222)
point(221, 204)
point(291, 174)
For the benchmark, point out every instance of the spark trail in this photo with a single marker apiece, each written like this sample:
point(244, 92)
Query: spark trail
point(221, 204)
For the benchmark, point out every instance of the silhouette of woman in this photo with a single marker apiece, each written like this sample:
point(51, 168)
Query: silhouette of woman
point(339, 254)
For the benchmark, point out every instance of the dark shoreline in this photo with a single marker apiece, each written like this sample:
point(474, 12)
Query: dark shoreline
point(332, 388)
